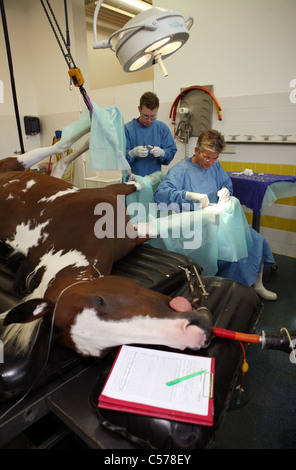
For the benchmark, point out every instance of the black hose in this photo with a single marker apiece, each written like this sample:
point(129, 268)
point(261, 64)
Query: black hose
point(279, 341)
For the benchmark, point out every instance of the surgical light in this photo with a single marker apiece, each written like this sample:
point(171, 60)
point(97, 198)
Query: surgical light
point(147, 38)
point(157, 44)
point(170, 48)
point(140, 63)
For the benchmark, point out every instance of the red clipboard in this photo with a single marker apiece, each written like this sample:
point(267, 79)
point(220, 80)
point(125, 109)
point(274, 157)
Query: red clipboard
point(170, 413)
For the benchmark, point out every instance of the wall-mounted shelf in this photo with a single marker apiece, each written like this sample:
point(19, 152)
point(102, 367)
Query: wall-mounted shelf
point(266, 142)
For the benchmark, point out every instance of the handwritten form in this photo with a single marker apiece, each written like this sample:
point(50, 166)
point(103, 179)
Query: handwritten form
point(140, 375)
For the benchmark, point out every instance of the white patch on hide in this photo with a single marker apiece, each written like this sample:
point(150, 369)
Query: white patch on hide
point(10, 182)
point(91, 335)
point(10, 196)
point(26, 237)
point(29, 185)
point(136, 184)
point(59, 194)
point(53, 264)
point(39, 309)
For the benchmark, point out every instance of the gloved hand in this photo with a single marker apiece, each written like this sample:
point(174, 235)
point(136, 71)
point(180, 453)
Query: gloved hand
point(202, 198)
point(140, 151)
point(156, 151)
point(223, 194)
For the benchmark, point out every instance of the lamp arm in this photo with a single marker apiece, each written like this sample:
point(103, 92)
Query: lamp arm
point(189, 20)
point(128, 28)
point(98, 44)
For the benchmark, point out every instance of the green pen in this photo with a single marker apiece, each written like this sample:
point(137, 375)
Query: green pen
point(186, 377)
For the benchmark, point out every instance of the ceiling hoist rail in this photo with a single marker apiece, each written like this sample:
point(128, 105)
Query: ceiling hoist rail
point(74, 72)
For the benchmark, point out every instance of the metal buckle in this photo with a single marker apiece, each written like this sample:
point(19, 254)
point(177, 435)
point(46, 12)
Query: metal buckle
point(196, 287)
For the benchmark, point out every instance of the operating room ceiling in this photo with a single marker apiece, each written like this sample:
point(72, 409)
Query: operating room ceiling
point(114, 14)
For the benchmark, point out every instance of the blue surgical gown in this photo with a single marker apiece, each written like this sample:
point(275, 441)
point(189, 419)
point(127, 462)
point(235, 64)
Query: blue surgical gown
point(187, 176)
point(157, 134)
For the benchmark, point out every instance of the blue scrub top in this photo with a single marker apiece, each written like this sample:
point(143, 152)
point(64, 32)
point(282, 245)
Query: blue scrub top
point(157, 134)
point(188, 176)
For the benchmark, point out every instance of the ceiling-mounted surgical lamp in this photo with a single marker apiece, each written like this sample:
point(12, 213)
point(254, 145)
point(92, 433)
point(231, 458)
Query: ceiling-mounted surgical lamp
point(146, 39)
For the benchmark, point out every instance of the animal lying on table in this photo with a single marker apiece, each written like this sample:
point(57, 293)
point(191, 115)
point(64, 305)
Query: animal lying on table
point(52, 223)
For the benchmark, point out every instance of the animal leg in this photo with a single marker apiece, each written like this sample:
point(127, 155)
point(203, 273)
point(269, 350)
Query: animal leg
point(61, 166)
point(24, 161)
point(10, 164)
point(34, 156)
point(122, 189)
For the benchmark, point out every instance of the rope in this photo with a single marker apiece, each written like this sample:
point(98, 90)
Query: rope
point(55, 33)
point(244, 370)
point(68, 57)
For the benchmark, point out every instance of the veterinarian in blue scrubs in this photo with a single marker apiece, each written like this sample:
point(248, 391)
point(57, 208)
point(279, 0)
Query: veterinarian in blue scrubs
point(202, 180)
point(149, 142)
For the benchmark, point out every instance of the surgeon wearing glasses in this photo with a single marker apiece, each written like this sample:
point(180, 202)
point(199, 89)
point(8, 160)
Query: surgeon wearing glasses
point(199, 179)
point(149, 142)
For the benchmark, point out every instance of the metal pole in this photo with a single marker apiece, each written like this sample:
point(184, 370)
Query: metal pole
point(9, 58)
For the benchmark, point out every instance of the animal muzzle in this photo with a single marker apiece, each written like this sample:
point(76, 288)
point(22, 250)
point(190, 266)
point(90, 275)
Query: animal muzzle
point(200, 317)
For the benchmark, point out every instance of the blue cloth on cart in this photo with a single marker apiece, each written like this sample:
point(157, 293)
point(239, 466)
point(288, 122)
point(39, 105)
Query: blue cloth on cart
point(252, 195)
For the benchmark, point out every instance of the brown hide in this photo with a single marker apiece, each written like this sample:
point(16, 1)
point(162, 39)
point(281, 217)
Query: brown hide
point(52, 223)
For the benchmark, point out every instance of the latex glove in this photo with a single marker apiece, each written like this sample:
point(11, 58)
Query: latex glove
point(156, 151)
point(140, 151)
point(202, 198)
point(223, 194)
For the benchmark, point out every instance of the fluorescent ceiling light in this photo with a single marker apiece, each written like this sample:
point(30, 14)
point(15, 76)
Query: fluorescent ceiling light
point(137, 4)
point(117, 10)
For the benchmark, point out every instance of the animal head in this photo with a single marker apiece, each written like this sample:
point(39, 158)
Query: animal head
point(109, 311)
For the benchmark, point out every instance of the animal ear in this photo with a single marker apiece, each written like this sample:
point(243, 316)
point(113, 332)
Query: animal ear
point(28, 311)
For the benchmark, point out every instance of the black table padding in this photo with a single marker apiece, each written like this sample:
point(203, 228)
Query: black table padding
point(233, 306)
point(155, 269)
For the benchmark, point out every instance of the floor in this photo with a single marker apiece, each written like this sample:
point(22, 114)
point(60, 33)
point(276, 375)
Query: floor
point(264, 415)
point(47, 433)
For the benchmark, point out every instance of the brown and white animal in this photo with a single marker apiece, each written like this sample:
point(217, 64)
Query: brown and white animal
point(52, 223)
